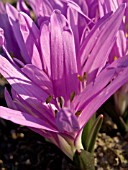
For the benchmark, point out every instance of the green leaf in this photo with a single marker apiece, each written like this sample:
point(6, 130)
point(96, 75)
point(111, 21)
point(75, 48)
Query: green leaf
point(84, 160)
point(87, 129)
point(91, 138)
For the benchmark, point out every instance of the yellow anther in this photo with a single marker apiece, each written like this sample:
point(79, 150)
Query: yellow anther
point(78, 113)
point(72, 96)
point(80, 78)
point(85, 75)
point(49, 99)
point(115, 58)
point(12, 54)
point(60, 101)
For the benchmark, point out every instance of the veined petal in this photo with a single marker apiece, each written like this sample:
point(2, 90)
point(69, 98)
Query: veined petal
point(102, 80)
point(13, 19)
point(73, 16)
point(24, 119)
point(2, 38)
point(94, 102)
point(9, 100)
point(21, 84)
point(45, 47)
point(2, 8)
point(21, 6)
point(8, 33)
point(66, 121)
point(27, 35)
point(38, 109)
point(120, 46)
point(39, 77)
point(30, 34)
point(41, 8)
point(104, 44)
point(107, 6)
point(90, 41)
point(63, 57)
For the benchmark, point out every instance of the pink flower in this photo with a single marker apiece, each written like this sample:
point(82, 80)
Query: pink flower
point(60, 88)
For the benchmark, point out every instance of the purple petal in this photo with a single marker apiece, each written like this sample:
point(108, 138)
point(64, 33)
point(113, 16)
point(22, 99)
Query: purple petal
point(42, 9)
point(66, 121)
point(21, 6)
point(2, 38)
point(100, 82)
point(45, 47)
point(39, 77)
point(9, 36)
point(21, 84)
point(24, 119)
point(104, 43)
point(72, 16)
point(9, 100)
point(27, 35)
point(120, 77)
point(90, 41)
point(63, 57)
point(13, 19)
point(107, 6)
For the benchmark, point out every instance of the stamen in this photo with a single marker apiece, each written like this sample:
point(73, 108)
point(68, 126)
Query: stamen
point(49, 99)
point(82, 78)
point(72, 96)
point(12, 55)
point(85, 75)
point(115, 58)
point(55, 112)
point(60, 101)
point(78, 113)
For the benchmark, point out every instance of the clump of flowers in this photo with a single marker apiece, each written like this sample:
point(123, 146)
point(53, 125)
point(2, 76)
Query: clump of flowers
point(59, 70)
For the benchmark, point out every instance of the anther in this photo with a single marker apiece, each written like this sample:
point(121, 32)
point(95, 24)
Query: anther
point(78, 113)
point(72, 96)
point(49, 99)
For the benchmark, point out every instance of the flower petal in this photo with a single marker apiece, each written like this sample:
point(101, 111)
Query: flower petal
point(27, 35)
point(93, 104)
point(45, 47)
point(24, 119)
point(104, 43)
point(21, 6)
point(102, 80)
point(39, 77)
point(9, 36)
point(66, 121)
point(63, 57)
point(21, 84)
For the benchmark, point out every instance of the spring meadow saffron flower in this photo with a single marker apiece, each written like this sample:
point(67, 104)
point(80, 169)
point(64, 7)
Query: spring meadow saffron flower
point(57, 86)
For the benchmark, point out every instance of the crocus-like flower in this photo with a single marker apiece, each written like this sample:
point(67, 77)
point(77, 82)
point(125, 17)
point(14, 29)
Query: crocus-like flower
point(59, 91)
